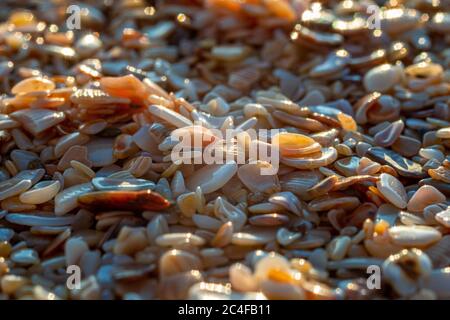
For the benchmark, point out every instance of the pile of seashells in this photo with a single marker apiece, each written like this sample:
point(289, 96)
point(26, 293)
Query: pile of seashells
point(87, 124)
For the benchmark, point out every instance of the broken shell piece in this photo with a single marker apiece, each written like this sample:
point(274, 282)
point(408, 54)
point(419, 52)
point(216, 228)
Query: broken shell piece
point(393, 190)
point(316, 160)
point(259, 177)
point(212, 177)
point(423, 197)
point(411, 236)
point(111, 184)
point(67, 200)
point(41, 192)
point(38, 120)
point(123, 200)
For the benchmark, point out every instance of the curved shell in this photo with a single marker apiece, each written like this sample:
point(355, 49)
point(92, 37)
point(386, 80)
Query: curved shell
point(317, 160)
point(259, 177)
point(212, 177)
point(41, 192)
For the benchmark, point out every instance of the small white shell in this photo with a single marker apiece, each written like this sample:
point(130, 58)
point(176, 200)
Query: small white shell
point(41, 192)
point(212, 177)
point(414, 235)
point(170, 116)
point(67, 200)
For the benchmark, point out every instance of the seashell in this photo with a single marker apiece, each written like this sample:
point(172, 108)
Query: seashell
point(25, 257)
point(156, 227)
point(382, 78)
point(241, 278)
point(87, 45)
point(21, 139)
point(298, 182)
point(214, 291)
point(170, 116)
point(315, 39)
point(78, 153)
point(288, 201)
point(130, 241)
point(33, 220)
point(286, 237)
point(406, 146)
point(15, 205)
point(7, 123)
point(439, 253)
point(423, 197)
point(347, 122)
point(354, 263)
point(347, 166)
point(212, 177)
point(390, 134)
point(387, 212)
point(11, 283)
point(403, 166)
point(443, 133)
point(269, 220)
point(187, 204)
point(112, 184)
point(74, 249)
point(217, 107)
point(327, 156)
point(206, 222)
point(89, 96)
point(100, 152)
point(293, 145)
point(128, 87)
point(249, 239)
point(334, 63)
point(430, 153)
point(178, 261)
point(403, 269)
point(177, 239)
point(37, 120)
point(229, 53)
point(396, 20)
point(338, 248)
point(376, 108)
point(443, 218)
point(441, 173)
point(414, 236)
point(392, 190)
point(146, 142)
point(300, 122)
point(122, 200)
point(33, 84)
point(367, 166)
point(332, 201)
point(259, 177)
point(265, 207)
point(225, 211)
point(67, 200)
point(41, 192)
point(20, 183)
point(68, 141)
point(281, 291)
point(270, 262)
point(82, 168)
point(93, 127)
point(72, 177)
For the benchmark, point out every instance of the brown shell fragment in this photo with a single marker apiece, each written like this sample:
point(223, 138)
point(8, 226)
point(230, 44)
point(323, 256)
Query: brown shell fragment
point(123, 200)
point(333, 201)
